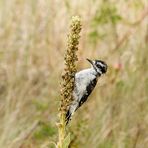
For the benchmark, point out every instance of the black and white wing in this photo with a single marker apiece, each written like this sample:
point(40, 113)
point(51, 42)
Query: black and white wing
point(83, 99)
point(88, 91)
point(85, 82)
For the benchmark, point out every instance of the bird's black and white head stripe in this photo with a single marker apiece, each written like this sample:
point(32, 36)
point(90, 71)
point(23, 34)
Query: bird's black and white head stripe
point(99, 65)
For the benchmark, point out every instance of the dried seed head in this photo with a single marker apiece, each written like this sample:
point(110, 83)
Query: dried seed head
point(70, 58)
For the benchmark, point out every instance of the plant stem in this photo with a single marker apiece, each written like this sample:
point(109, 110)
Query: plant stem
point(67, 83)
point(61, 130)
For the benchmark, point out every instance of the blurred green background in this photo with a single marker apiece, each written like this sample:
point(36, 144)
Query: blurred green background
point(32, 44)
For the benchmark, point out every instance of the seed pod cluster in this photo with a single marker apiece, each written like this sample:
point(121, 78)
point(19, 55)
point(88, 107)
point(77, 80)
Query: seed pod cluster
point(70, 58)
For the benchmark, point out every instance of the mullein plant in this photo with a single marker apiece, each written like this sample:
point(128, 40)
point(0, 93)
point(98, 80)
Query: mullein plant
point(67, 82)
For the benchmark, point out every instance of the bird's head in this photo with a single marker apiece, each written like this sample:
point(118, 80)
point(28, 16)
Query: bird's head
point(99, 66)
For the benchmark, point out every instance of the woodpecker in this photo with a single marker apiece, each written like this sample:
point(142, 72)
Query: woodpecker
point(85, 82)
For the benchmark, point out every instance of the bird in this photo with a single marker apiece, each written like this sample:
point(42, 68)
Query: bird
point(84, 83)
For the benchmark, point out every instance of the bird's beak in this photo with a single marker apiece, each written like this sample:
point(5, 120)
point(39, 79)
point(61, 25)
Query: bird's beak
point(90, 61)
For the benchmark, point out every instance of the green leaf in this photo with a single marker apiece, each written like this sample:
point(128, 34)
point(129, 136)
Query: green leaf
point(66, 141)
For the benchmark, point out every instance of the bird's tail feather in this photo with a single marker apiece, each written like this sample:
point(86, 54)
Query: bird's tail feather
point(68, 117)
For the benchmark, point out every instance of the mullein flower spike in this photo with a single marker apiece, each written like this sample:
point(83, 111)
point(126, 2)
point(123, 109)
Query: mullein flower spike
point(67, 83)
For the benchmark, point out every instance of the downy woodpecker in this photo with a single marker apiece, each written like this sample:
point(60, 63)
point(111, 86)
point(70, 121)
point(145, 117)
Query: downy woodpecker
point(85, 82)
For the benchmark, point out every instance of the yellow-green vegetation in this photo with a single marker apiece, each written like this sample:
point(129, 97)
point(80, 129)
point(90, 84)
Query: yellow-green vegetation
point(32, 44)
point(67, 84)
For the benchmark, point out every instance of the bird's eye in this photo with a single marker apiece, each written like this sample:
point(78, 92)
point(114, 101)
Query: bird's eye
point(98, 65)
